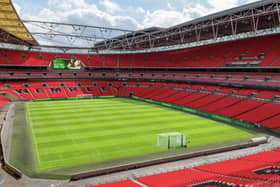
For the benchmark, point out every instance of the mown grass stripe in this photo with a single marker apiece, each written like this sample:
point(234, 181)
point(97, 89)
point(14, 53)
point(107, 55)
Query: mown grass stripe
point(76, 132)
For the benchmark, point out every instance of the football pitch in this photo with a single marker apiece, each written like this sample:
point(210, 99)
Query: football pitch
point(76, 132)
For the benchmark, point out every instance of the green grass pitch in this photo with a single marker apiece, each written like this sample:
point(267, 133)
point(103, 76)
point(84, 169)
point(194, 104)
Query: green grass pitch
point(76, 132)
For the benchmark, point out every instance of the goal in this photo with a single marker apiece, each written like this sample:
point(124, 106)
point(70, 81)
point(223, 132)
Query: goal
point(171, 140)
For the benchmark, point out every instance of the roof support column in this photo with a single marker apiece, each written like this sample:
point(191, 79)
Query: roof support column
point(278, 12)
point(197, 33)
point(182, 36)
point(233, 26)
point(254, 22)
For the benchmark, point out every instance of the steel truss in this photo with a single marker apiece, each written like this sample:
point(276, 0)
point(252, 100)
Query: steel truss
point(249, 18)
point(66, 35)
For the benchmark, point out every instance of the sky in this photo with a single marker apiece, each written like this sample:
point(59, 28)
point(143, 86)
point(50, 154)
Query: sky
point(126, 14)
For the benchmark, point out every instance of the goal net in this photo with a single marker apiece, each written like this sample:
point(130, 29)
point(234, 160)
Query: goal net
point(171, 140)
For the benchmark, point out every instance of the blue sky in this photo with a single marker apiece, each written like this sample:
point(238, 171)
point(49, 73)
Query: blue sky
point(130, 14)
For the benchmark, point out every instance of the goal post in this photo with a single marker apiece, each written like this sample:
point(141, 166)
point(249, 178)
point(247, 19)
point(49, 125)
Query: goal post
point(171, 140)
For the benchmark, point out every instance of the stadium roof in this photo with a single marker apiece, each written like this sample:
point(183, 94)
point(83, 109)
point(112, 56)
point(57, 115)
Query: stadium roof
point(132, 34)
point(12, 30)
point(248, 18)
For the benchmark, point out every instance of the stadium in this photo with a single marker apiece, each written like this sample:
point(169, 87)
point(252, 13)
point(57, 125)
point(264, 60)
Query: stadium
point(196, 104)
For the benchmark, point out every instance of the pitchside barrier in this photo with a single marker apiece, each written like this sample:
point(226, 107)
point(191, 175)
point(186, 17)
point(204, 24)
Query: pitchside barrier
point(201, 113)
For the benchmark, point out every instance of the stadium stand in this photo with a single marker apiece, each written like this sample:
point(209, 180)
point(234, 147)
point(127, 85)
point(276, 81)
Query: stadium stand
point(272, 122)
point(252, 80)
point(261, 169)
point(261, 113)
point(3, 101)
point(245, 106)
point(242, 168)
point(214, 55)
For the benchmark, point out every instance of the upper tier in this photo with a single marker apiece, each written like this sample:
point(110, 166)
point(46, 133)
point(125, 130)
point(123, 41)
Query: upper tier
point(256, 52)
